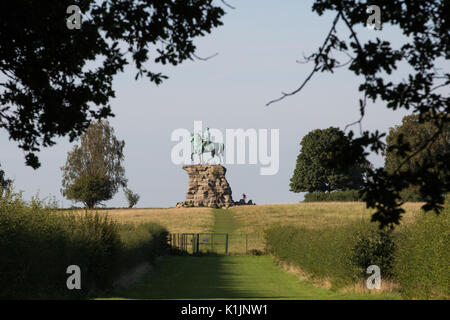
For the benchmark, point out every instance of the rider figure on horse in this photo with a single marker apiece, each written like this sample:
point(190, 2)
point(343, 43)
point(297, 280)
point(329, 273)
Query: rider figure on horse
point(206, 138)
point(201, 143)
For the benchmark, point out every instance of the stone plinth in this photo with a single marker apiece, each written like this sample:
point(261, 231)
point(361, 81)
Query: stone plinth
point(207, 187)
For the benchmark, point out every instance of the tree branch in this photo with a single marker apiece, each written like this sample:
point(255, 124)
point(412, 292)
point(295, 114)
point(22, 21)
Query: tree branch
point(228, 5)
point(316, 66)
point(205, 59)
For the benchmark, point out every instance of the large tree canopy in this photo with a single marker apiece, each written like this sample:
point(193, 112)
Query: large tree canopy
point(313, 173)
point(412, 132)
point(422, 90)
point(54, 81)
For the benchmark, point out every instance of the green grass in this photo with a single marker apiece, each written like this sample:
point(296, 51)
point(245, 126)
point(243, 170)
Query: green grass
point(224, 221)
point(227, 277)
point(239, 242)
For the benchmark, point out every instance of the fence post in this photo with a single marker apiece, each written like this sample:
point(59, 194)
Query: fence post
point(197, 243)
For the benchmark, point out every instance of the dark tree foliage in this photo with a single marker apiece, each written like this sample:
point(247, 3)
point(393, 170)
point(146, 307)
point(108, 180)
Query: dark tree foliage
point(313, 173)
point(424, 91)
point(54, 81)
point(4, 182)
point(413, 132)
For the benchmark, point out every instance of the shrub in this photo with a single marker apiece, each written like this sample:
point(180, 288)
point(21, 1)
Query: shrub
point(132, 197)
point(38, 243)
point(141, 242)
point(340, 254)
point(411, 194)
point(255, 252)
point(4, 182)
point(415, 256)
point(407, 195)
point(345, 195)
point(374, 247)
point(323, 254)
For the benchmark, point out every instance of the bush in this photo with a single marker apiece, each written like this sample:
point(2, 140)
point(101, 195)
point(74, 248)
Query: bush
point(38, 243)
point(141, 243)
point(340, 254)
point(375, 247)
point(407, 195)
point(323, 254)
point(415, 256)
point(422, 262)
point(346, 195)
point(411, 194)
point(132, 197)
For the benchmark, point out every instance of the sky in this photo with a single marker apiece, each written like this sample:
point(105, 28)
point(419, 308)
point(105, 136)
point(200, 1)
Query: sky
point(257, 47)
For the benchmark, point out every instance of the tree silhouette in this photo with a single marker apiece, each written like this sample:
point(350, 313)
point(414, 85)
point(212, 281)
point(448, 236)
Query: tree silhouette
point(55, 80)
point(426, 27)
point(4, 182)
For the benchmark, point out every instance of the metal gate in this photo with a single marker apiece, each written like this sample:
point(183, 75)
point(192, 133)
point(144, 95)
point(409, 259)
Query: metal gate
point(196, 243)
point(212, 243)
point(217, 243)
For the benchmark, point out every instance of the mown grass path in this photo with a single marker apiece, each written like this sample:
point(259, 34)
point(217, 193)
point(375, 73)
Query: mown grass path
point(226, 277)
point(224, 222)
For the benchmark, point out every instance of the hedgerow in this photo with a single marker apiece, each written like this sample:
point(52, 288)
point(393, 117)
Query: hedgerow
point(415, 256)
point(38, 242)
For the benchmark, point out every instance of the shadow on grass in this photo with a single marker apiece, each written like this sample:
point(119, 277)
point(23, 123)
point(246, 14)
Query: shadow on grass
point(196, 277)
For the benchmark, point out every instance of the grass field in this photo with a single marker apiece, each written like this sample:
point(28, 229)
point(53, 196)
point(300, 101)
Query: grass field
point(246, 224)
point(175, 220)
point(241, 276)
point(253, 220)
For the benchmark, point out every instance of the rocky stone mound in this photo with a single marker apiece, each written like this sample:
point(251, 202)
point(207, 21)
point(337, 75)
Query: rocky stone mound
point(243, 203)
point(207, 187)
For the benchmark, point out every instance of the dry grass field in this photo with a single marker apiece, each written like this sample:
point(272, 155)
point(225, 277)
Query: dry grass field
point(176, 220)
point(253, 220)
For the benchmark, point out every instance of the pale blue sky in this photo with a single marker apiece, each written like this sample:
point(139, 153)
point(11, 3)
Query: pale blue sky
point(258, 46)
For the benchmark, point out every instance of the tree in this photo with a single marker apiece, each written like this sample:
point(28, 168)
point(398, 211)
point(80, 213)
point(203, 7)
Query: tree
point(132, 197)
point(94, 170)
point(4, 183)
point(313, 173)
point(425, 26)
point(55, 80)
point(410, 133)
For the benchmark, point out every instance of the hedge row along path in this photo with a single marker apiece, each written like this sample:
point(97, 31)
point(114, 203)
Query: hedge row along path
point(226, 277)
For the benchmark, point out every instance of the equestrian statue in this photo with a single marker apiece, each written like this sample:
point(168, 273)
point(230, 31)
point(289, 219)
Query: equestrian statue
point(202, 144)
